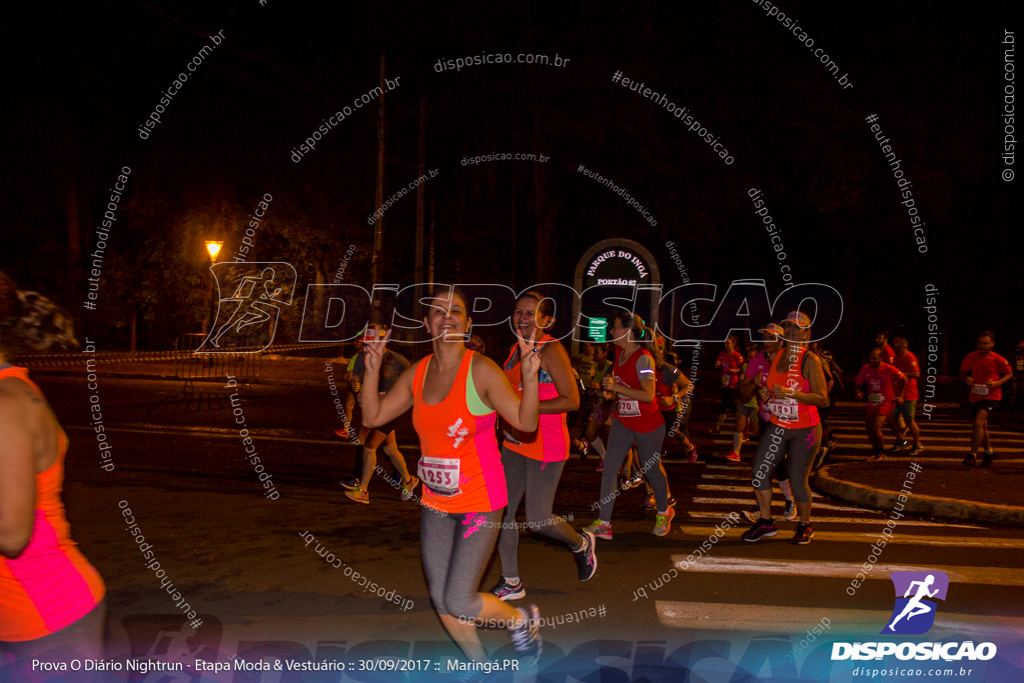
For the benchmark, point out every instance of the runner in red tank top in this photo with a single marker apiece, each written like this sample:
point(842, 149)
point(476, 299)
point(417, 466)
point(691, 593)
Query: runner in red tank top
point(636, 420)
point(985, 372)
point(454, 394)
point(886, 386)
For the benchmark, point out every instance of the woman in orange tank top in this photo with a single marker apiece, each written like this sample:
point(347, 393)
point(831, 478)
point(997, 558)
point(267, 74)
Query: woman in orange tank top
point(51, 598)
point(454, 394)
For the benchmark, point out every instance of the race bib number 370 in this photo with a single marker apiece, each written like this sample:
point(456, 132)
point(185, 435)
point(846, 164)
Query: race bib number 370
point(628, 407)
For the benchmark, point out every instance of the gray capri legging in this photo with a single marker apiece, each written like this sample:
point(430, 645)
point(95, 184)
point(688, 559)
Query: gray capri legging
point(538, 481)
point(776, 443)
point(649, 448)
point(455, 549)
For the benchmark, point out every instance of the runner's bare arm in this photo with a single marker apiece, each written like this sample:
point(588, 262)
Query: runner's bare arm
point(645, 394)
point(903, 384)
point(818, 394)
point(994, 383)
point(497, 392)
point(965, 372)
point(378, 411)
point(17, 474)
point(555, 361)
point(682, 382)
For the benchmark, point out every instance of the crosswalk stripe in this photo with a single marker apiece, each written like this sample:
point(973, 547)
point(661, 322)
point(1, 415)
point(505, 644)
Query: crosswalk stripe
point(728, 477)
point(739, 489)
point(862, 537)
point(858, 422)
point(848, 520)
point(741, 503)
point(948, 432)
point(993, 576)
point(719, 616)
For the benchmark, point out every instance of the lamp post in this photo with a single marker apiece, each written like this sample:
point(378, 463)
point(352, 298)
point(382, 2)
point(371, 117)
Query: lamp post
point(212, 248)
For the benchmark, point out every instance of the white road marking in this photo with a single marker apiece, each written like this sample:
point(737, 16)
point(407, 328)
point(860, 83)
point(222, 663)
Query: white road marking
point(994, 576)
point(872, 536)
point(743, 503)
point(741, 489)
point(719, 616)
point(849, 520)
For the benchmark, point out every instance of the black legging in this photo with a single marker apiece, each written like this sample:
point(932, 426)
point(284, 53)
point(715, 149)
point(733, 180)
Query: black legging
point(800, 445)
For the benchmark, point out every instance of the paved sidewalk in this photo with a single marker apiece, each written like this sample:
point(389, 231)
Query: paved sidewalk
point(942, 487)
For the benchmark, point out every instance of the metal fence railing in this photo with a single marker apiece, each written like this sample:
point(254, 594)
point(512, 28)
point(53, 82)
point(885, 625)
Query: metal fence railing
point(191, 366)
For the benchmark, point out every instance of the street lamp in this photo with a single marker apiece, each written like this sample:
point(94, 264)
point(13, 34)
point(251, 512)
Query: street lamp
point(212, 248)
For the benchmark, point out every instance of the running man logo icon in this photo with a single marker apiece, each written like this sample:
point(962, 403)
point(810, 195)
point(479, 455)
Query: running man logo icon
point(457, 432)
point(246, 321)
point(916, 592)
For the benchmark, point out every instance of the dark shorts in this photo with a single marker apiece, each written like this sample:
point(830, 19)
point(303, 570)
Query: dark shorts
point(385, 428)
point(601, 413)
point(984, 404)
point(746, 411)
point(729, 399)
point(907, 410)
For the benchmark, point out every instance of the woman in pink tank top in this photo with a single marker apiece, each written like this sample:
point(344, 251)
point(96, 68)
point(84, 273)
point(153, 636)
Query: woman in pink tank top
point(51, 598)
point(534, 461)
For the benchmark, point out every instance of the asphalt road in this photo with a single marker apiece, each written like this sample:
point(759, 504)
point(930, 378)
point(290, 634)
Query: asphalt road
point(241, 559)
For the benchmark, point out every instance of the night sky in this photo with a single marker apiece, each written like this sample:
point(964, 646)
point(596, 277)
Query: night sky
point(83, 77)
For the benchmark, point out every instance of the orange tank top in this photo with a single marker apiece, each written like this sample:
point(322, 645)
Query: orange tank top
point(786, 412)
point(460, 465)
point(50, 585)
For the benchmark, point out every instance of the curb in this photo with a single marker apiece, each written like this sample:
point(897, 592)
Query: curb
point(927, 506)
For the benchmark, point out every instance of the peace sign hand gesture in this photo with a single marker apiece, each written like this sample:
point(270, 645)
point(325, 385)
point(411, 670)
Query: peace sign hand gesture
point(529, 354)
point(374, 344)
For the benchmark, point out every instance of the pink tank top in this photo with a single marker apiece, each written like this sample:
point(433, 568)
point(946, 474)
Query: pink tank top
point(550, 442)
